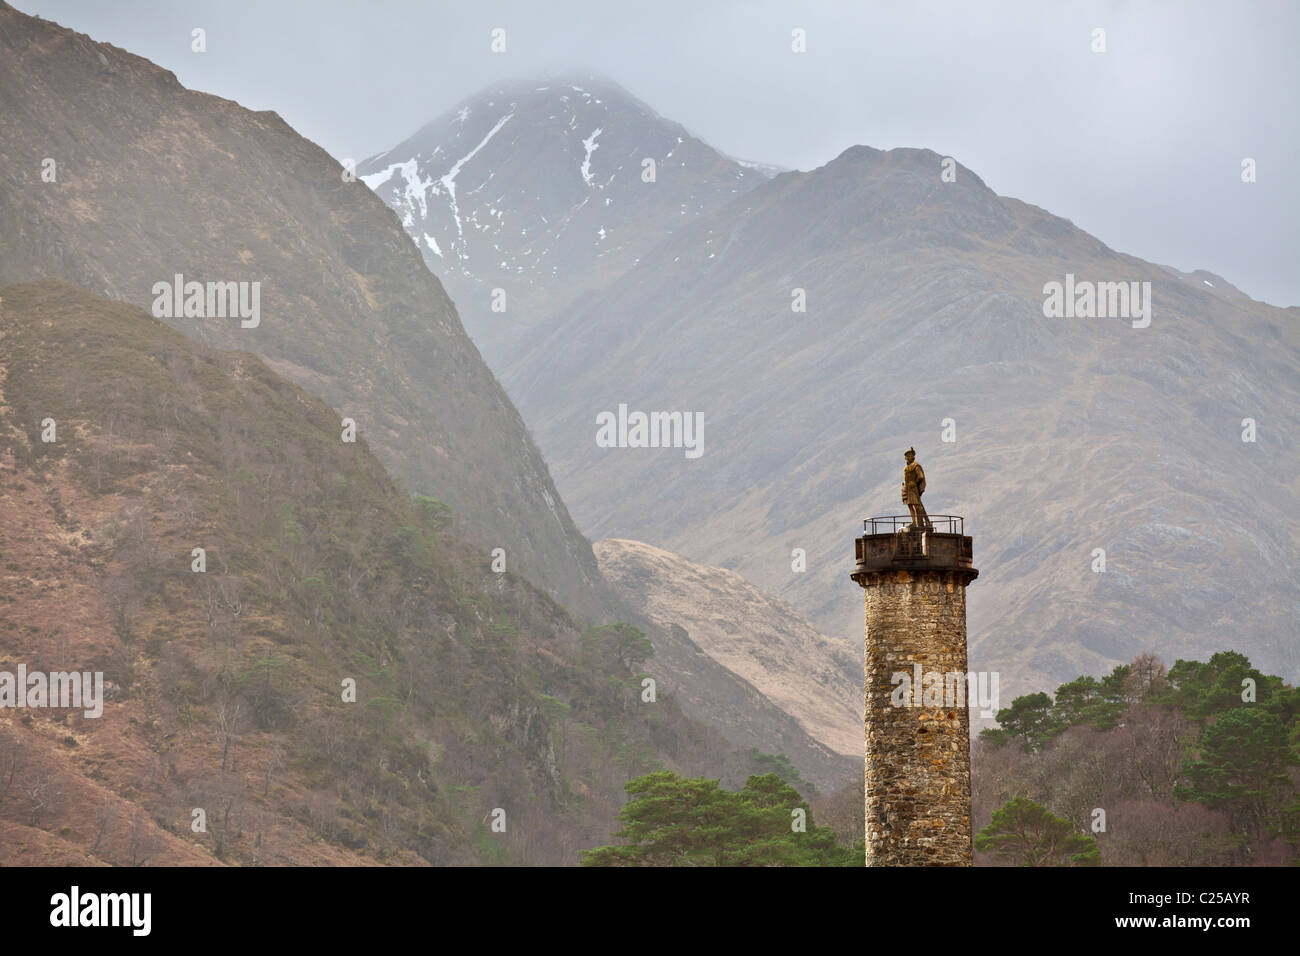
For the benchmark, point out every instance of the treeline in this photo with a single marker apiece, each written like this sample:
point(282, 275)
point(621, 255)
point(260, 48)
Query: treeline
point(1192, 765)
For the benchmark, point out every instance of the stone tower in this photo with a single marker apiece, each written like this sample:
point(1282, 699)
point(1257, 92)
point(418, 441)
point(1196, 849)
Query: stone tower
point(915, 694)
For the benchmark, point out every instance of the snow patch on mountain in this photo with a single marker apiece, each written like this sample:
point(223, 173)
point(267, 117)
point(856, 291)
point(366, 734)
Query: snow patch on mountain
point(589, 144)
point(416, 188)
point(448, 181)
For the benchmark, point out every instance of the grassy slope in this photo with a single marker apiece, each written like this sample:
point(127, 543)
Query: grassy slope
point(475, 690)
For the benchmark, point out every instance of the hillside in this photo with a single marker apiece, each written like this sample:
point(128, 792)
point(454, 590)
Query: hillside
point(539, 188)
point(924, 305)
point(474, 690)
point(816, 679)
point(152, 180)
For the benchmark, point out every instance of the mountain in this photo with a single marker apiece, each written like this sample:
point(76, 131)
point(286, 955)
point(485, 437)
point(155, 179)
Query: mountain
point(151, 180)
point(925, 307)
point(190, 183)
point(761, 639)
point(225, 683)
point(538, 188)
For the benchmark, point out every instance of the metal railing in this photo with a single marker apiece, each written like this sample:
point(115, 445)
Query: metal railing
point(892, 524)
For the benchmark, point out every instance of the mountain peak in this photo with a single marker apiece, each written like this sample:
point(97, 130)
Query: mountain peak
point(924, 162)
point(547, 183)
point(596, 84)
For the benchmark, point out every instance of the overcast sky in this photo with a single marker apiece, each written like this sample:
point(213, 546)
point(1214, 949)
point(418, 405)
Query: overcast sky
point(1141, 145)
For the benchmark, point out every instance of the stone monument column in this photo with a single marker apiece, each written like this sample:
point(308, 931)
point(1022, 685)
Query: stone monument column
point(915, 717)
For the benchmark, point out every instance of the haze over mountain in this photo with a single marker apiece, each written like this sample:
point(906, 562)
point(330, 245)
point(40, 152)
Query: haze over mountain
point(184, 182)
point(538, 188)
point(925, 302)
point(924, 315)
point(153, 180)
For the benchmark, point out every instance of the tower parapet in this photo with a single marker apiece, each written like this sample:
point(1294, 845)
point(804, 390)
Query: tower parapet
point(889, 544)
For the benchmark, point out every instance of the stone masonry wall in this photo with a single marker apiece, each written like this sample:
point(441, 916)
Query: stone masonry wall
point(917, 757)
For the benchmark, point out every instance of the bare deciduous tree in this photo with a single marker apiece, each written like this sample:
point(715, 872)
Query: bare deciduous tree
point(104, 823)
point(1146, 676)
point(144, 843)
point(13, 755)
point(274, 761)
point(41, 788)
point(228, 722)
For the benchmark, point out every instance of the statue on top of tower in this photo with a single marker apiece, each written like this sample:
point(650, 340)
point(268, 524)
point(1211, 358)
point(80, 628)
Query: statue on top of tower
point(913, 488)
